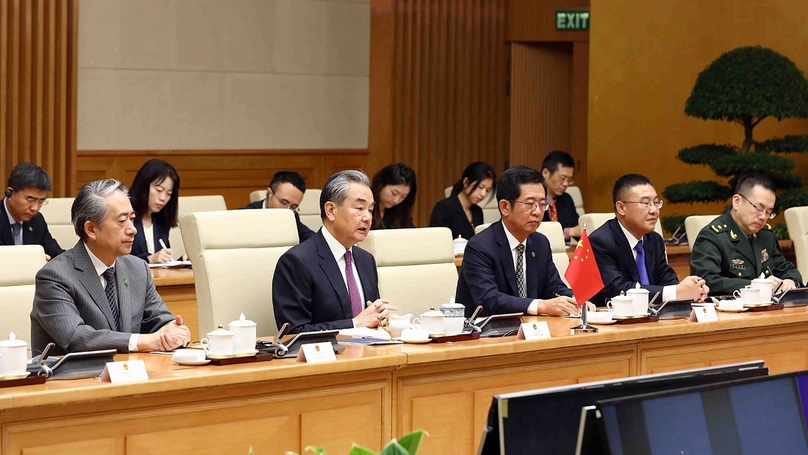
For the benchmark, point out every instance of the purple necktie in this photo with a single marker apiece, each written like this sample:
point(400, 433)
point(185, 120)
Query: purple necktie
point(641, 264)
point(353, 289)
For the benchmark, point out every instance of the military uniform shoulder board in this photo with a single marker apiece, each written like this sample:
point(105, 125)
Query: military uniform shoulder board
point(717, 228)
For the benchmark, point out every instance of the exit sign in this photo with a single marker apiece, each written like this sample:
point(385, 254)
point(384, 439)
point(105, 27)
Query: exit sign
point(572, 20)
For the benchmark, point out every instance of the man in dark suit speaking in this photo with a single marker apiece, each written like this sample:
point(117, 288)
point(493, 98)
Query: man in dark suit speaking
point(20, 220)
point(328, 283)
point(97, 296)
point(629, 252)
point(508, 268)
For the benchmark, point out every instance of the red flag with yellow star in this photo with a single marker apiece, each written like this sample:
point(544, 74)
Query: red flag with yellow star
point(583, 274)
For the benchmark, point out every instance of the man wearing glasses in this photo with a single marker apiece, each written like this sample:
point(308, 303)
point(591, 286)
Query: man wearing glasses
point(558, 170)
point(630, 253)
point(739, 246)
point(285, 191)
point(20, 220)
point(508, 268)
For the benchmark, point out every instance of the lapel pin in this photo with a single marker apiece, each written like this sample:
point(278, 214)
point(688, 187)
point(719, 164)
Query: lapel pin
point(30, 229)
point(533, 254)
point(126, 282)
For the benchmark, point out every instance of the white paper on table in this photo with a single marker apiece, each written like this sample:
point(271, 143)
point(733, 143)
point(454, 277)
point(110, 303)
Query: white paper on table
point(365, 332)
point(171, 264)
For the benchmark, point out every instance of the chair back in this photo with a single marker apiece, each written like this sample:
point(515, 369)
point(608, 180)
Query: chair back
point(577, 199)
point(18, 267)
point(258, 195)
point(555, 234)
point(797, 223)
point(192, 204)
point(694, 224)
point(309, 209)
point(57, 215)
point(234, 254)
point(490, 209)
point(416, 266)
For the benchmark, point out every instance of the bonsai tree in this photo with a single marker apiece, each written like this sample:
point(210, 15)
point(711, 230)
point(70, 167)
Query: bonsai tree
point(745, 85)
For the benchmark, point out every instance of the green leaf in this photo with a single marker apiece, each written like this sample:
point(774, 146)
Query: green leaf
point(356, 449)
point(788, 144)
point(394, 448)
point(764, 163)
point(705, 153)
point(697, 191)
point(412, 440)
point(315, 449)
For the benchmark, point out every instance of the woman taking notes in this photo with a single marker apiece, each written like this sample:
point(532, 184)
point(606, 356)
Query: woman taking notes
point(154, 196)
point(394, 191)
point(460, 211)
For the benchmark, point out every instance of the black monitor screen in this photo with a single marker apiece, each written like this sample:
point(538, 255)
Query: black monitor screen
point(759, 416)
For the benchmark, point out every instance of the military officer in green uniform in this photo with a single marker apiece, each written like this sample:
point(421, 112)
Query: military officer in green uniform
point(739, 246)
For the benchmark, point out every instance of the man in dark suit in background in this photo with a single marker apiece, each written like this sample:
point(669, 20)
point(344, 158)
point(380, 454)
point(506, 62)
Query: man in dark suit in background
point(328, 283)
point(628, 250)
point(558, 170)
point(97, 296)
point(285, 191)
point(20, 220)
point(508, 268)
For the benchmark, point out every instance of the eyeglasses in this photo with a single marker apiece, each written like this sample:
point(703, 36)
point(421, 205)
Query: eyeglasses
point(35, 201)
point(569, 180)
point(770, 214)
point(542, 206)
point(646, 205)
point(286, 203)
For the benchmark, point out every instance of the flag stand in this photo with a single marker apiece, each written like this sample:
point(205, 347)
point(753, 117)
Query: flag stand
point(584, 327)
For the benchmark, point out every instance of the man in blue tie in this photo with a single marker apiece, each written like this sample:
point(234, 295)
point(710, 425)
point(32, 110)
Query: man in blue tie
point(629, 252)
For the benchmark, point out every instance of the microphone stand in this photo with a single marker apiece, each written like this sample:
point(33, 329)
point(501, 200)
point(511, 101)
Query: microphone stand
point(584, 327)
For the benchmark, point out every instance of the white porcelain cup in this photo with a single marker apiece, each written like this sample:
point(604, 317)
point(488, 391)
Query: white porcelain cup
point(219, 342)
point(414, 335)
point(748, 295)
point(459, 245)
point(453, 324)
point(244, 335)
point(621, 306)
point(765, 285)
point(14, 359)
point(640, 297)
point(431, 321)
point(188, 355)
point(735, 304)
point(598, 316)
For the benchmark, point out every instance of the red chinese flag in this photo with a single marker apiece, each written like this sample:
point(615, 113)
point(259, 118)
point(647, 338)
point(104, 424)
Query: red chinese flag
point(583, 274)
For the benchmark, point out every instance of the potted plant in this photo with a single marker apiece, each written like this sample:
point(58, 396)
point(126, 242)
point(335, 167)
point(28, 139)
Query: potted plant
point(407, 445)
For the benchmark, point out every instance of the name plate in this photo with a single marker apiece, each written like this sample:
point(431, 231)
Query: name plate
point(316, 352)
point(703, 312)
point(533, 331)
point(126, 371)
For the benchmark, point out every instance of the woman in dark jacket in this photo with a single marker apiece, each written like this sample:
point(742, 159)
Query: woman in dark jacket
point(154, 194)
point(460, 211)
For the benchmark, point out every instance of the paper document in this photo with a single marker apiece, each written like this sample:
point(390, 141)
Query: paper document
point(365, 332)
point(171, 264)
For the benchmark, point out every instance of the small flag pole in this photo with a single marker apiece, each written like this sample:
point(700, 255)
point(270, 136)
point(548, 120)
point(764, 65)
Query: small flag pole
point(584, 327)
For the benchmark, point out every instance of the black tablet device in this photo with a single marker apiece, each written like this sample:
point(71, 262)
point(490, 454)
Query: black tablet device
point(499, 325)
point(792, 297)
point(292, 346)
point(673, 309)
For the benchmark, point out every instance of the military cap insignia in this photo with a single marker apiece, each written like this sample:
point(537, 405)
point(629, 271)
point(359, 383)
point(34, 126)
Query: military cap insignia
point(764, 255)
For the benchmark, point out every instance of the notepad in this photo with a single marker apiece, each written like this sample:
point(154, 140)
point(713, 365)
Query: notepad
point(171, 264)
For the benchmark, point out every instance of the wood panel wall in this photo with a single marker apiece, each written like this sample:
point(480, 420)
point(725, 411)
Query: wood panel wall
point(446, 104)
point(38, 48)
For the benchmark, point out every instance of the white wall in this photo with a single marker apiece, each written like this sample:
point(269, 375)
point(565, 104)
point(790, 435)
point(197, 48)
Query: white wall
point(223, 74)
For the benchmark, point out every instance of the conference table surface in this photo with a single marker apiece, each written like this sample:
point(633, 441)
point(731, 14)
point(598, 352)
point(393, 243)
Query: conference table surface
point(370, 394)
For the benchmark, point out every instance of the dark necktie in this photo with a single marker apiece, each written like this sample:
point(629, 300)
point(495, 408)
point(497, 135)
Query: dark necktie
point(112, 298)
point(520, 270)
point(16, 229)
point(353, 289)
point(553, 211)
point(641, 264)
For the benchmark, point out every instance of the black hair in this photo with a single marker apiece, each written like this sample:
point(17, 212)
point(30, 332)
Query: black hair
point(292, 177)
point(401, 215)
point(155, 171)
point(29, 175)
point(475, 173)
point(748, 182)
point(625, 183)
point(510, 184)
point(556, 159)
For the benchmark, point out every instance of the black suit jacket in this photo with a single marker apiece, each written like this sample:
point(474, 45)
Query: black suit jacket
point(487, 276)
point(34, 232)
point(449, 213)
point(618, 269)
point(159, 230)
point(308, 291)
point(565, 207)
point(303, 231)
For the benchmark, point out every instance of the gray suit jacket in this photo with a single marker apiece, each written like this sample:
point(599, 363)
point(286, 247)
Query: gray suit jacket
point(71, 308)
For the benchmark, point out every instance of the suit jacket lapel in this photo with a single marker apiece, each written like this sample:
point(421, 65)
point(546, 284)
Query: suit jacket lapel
point(505, 255)
point(624, 253)
point(91, 282)
point(331, 270)
point(740, 242)
point(124, 295)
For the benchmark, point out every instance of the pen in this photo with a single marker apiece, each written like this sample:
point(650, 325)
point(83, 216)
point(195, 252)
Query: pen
point(163, 244)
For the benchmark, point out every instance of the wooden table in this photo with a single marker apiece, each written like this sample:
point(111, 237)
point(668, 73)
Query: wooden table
point(369, 394)
point(176, 287)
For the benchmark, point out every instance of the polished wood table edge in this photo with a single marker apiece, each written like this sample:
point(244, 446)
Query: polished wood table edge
point(172, 276)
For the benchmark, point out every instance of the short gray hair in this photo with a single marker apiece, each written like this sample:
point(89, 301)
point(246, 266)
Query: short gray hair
point(90, 205)
point(336, 187)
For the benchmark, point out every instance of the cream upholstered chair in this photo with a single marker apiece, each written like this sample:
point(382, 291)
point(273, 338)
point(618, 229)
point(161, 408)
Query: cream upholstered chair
point(577, 199)
point(596, 220)
point(192, 204)
point(555, 234)
point(258, 195)
point(57, 215)
point(797, 222)
point(416, 266)
point(480, 228)
point(694, 224)
point(234, 254)
point(18, 267)
point(309, 209)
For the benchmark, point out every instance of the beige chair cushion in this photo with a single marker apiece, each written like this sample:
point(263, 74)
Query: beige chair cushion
point(309, 209)
point(797, 222)
point(258, 195)
point(577, 199)
point(192, 204)
point(694, 224)
point(57, 215)
point(555, 234)
point(18, 267)
point(416, 266)
point(234, 254)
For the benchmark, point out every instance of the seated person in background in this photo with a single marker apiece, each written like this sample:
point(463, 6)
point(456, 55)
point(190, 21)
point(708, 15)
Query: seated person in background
point(394, 190)
point(322, 284)
point(460, 211)
point(96, 295)
point(20, 220)
point(558, 170)
point(154, 195)
point(508, 268)
point(285, 191)
point(628, 250)
point(739, 246)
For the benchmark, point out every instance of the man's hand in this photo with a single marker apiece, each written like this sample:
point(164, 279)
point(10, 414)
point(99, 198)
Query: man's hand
point(788, 283)
point(558, 306)
point(374, 311)
point(47, 258)
point(170, 337)
point(161, 257)
point(575, 231)
point(692, 287)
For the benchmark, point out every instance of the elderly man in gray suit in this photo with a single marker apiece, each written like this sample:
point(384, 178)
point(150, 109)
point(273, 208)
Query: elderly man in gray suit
point(95, 295)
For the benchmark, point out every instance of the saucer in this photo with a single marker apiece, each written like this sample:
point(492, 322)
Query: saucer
point(193, 363)
point(602, 322)
point(245, 354)
point(221, 356)
point(10, 377)
point(415, 340)
point(732, 310)
point(634, 316)
point(755, 305)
